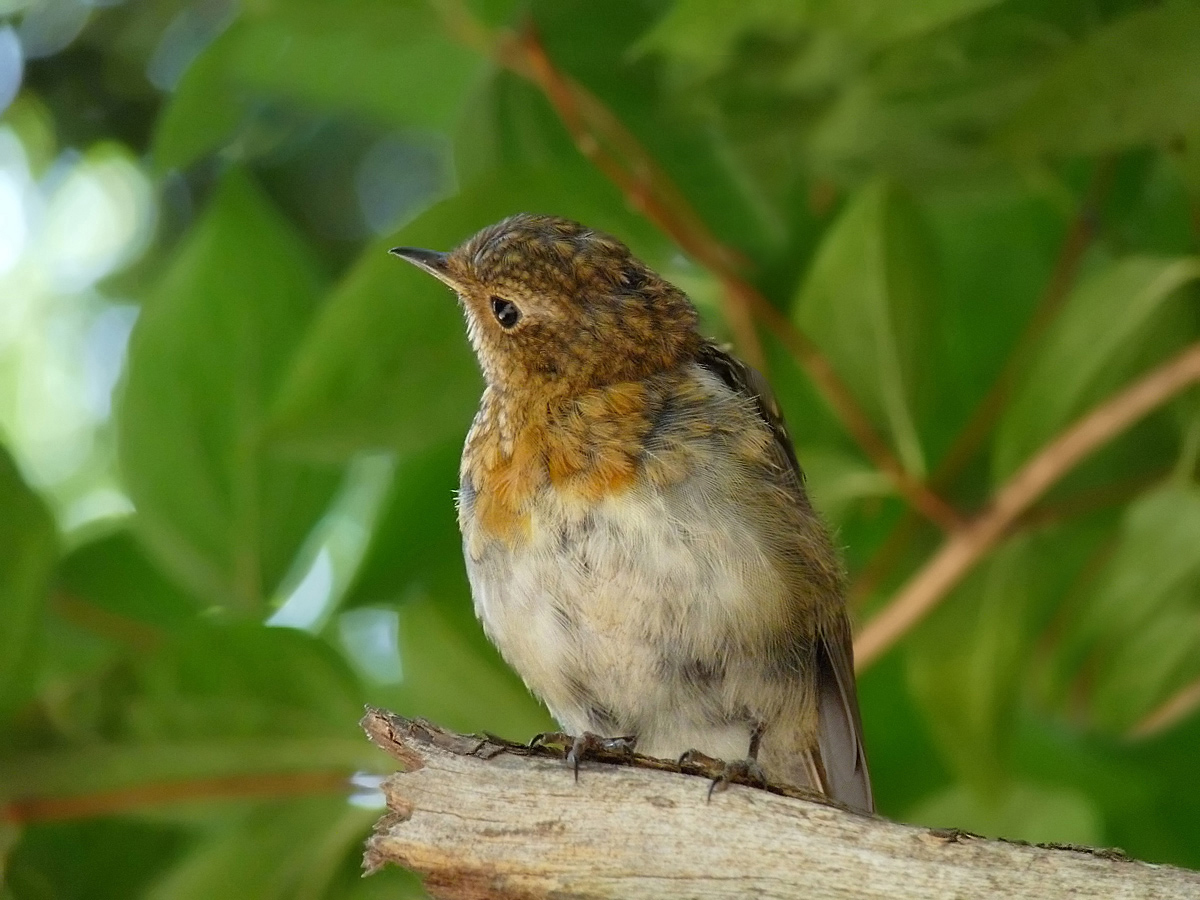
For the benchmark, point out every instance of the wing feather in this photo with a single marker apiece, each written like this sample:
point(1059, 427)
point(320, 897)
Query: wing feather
point(839, 765)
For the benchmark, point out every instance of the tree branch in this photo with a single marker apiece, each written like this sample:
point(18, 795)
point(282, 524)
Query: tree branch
point(964, 548)
point(484, 818)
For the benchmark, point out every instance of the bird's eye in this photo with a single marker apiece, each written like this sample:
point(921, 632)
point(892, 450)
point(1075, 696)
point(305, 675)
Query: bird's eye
point(506, 312)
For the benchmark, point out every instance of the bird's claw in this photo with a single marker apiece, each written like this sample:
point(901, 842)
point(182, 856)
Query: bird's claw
point(740, 771)
point(588, 744)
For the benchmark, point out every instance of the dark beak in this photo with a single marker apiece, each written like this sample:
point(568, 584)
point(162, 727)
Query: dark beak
point(433, 262)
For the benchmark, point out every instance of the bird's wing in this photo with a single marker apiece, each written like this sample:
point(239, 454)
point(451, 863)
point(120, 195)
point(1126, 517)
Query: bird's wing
point(841, 769)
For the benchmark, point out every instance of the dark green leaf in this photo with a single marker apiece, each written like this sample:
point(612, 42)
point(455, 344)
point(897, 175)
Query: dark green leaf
point(28, 547)
point(114, 574)
point(289, 850)
point(1133, 82)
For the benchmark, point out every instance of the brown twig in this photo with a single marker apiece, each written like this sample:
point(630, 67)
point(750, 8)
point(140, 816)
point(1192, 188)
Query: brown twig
point(1171, 712)
point(147, 796)
point(605, 141)
point(964, 548)
point(1089, 501)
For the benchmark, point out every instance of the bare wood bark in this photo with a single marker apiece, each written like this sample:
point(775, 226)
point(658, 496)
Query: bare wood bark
point(484, 818)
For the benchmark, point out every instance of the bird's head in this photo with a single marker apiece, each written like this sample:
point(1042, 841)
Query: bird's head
point(551, 304)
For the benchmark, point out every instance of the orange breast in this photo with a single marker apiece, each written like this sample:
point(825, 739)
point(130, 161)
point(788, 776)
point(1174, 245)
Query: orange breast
point(587, 448)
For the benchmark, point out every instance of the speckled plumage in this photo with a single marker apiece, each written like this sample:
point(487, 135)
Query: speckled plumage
point(635, 527)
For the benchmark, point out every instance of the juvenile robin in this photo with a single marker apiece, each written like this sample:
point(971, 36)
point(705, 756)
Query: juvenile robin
point(637, 535)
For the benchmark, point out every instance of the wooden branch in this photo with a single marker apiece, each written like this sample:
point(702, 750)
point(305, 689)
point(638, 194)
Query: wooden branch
point(964, 548)
point(483, 818)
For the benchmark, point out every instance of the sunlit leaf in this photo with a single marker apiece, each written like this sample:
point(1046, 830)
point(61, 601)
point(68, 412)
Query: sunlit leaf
point(28, 547)
point(1135, 81)
point(1090, 346)
point(867, 301)
point(205, 359)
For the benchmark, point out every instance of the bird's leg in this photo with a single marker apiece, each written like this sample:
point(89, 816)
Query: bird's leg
point(597, 747)
point(587, 745)
point(741, 771)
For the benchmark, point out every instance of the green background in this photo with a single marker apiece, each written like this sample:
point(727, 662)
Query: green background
point(223, 533)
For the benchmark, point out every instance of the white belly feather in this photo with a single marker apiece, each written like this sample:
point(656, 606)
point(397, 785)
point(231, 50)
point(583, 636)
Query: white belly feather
point(604, 609)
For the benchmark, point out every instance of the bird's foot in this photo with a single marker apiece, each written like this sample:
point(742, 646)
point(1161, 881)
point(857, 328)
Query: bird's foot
point(587, 745)
point(739, 771)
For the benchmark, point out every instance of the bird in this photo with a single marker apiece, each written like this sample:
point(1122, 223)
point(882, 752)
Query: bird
point(636, 531)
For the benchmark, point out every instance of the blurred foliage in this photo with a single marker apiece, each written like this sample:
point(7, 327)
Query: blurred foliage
point(209, 564)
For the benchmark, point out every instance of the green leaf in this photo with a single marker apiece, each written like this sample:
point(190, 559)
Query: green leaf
point(113, 573)
point(1092, 344)
point(102, 859)
point(390, 62)
point(866, 302)
point(453, 678)
point(837, 481)
point(243, 679)
point(1139, 635)
point(966, 662)
point(28, 547)
point(416, 542)
point(205, 359)
point(387, 365)
point(706, 33)
point(99, 769)
point(1132, 82)
point(1038, 813)
point(202, 114)
point(289, 850)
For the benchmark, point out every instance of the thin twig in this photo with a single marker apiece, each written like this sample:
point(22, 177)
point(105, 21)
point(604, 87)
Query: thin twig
point(1174, 710)
point(140, 797)
point(964, 548)
point(1088, 501)
point(604, 140)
